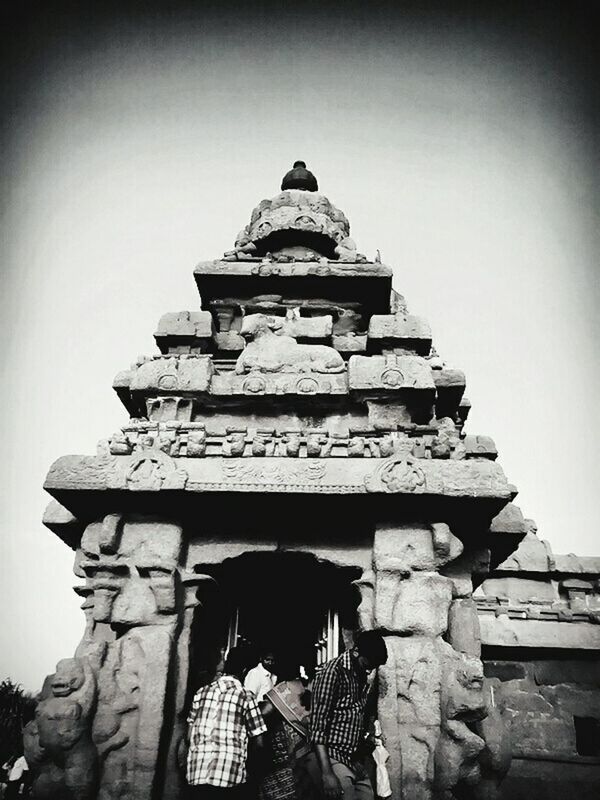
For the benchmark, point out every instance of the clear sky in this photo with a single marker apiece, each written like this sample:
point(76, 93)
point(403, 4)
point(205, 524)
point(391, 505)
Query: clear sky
point(458, 140)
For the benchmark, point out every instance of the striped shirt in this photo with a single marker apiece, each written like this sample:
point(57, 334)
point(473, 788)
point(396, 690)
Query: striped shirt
point(222, 718)
point(339, 698)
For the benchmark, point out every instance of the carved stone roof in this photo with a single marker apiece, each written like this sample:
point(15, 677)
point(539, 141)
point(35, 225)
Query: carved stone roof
point(297, 218)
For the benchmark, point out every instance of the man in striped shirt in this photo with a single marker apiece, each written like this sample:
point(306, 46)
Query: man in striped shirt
point(223, 718)
point(337, 723)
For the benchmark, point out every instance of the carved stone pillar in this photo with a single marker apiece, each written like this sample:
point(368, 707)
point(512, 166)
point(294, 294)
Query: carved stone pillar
point(428, 689)
point(132, 570)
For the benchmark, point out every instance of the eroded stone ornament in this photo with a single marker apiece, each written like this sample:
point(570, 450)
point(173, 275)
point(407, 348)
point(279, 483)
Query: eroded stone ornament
point(268, 352)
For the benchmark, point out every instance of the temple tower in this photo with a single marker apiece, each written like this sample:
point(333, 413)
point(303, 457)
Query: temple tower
point(295, 456)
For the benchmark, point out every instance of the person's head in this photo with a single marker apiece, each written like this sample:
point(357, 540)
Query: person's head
point(288, 668)
point(267, 659)
point(236, 663)
point(370, 650)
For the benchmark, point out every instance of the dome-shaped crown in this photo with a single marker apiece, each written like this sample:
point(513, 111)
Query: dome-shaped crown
point(300, 178)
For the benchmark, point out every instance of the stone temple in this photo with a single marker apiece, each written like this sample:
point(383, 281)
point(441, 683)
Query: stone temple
point(295, 468)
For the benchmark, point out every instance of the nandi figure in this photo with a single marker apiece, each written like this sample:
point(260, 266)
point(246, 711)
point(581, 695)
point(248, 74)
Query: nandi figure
point(268, 351)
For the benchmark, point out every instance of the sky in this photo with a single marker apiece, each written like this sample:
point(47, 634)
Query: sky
point(460, 140)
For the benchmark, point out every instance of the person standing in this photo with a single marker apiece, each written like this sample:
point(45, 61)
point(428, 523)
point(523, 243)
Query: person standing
point(261, 679)
point(286, 711)
point(17, 778)
point(337, 721)
point(223, 717)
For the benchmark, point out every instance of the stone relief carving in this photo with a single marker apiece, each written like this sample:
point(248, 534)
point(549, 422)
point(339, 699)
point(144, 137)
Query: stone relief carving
point(150, 468)
point(397, 474)
point(135, 583)
point(268, 352)
point(64, 720)
point(462, 704)
point(441, 706)
point(304, 472)
point(192, 439)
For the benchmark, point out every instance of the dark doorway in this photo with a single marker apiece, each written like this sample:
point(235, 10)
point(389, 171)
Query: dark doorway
point(302, 609)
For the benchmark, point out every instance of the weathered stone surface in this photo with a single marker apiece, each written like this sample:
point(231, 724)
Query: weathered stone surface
point(480, 447)
point(348, 344)
point(462, 704)
point(154, 472)
point(180, 331)
point(61, 522)
point(575, 564)
point(64, 719)
point(404, 548)
point(509, 520)
point(405, 332)
point(269, 352)
point(502, 631)
point(585, 674)
point(520, 589)
point(417, 605)
point(177, 375)
point(301, 384)
point(299, 211)
point(463, 627)
point(131, 570)
point(279, 415)
point(496, 756)
point(532, 555)
point(229, 342)
point(307, 328)
point(505, 670)
point(391, 373)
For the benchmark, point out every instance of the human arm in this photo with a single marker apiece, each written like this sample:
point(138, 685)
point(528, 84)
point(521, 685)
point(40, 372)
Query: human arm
point(194, 711)
point(253, 719)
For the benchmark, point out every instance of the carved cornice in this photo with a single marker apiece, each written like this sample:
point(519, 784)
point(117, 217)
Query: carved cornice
point(154, 471)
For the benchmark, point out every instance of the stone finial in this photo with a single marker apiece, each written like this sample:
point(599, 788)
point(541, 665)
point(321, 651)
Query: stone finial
point(299, 178)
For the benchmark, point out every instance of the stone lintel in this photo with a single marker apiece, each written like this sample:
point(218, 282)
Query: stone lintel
point(503, 631)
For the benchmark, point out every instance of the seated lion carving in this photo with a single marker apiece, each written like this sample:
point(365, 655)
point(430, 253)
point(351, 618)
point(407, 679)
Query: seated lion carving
point(268, 351)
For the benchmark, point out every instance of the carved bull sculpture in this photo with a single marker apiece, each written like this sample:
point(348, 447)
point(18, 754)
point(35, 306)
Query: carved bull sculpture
point(268, 351)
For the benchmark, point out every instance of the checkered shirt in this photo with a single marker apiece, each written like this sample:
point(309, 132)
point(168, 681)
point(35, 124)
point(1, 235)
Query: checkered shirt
point(339, 699)
point(222, 718)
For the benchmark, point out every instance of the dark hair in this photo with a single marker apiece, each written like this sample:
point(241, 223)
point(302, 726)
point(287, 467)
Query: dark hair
point(371, 645)
point(288, 668)
point(237, 661)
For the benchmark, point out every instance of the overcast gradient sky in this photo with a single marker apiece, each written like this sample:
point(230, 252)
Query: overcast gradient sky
point(459, 140)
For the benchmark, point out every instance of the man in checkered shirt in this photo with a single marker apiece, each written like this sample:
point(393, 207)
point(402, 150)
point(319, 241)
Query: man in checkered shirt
point(337, 722)
point(223, 717)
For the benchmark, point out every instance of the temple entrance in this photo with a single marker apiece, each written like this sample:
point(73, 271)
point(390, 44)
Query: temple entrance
point(300, 608)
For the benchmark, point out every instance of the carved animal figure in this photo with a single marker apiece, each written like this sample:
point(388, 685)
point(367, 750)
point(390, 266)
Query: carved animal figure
point(267, 351)
point(64, 721)
point(462, 704)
